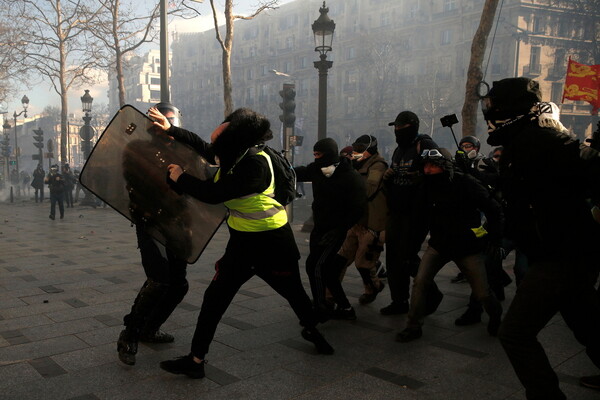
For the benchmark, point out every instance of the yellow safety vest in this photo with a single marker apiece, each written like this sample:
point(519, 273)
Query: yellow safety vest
point(256, 212)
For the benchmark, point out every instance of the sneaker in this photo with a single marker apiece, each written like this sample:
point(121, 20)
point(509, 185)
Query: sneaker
point(347, 314)
point(127, 348)
point(592, 382)
point(409, 334)
point(156, 336)
point(470, 317)
point(395, 308)
point(185, 366)
point(314, 336)
point(367, 298)
point(459, 278)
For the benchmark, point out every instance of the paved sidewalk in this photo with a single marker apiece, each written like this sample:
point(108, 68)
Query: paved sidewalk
point(66, 284)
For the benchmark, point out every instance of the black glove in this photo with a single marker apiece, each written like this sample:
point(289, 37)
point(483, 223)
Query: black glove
point(173, 185)
point(462, 161)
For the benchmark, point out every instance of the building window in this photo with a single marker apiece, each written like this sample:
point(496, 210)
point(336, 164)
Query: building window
point(446, 37)
point(449, 5)
point(413, 9)
point(538, 25)
point(250, 74)
point(252, 51)
point(289, 43)
point(386, 19)
point(287, 67)
point(155, 94)
point(302, 62)
point(351, 53)
point(263, 70)
point(534, 57)
point(154, 81)
point(350, 105)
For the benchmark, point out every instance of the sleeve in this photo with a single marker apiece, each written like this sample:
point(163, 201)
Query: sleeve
point(251, 175)
point(489, 206)
point(356, 201)
point(374, 178)
point(305, 173)
point(191, 139)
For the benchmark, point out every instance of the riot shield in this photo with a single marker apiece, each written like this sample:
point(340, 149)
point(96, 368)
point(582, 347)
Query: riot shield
point(127, 169)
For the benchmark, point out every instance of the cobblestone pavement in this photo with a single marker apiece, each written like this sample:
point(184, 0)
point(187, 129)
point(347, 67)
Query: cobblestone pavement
point(66, 284)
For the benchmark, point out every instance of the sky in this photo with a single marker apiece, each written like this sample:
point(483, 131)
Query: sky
point(43, 94)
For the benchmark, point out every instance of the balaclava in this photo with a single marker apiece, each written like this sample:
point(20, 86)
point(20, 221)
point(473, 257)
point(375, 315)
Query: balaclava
point(329, 149)
point(405, 136)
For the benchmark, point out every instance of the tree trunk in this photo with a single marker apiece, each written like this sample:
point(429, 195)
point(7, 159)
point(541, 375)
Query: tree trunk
point(474, 74)
point(120, 80)
point(227, 85)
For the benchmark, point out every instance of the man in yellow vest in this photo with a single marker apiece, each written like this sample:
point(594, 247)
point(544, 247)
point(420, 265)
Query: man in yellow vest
point(261, 240)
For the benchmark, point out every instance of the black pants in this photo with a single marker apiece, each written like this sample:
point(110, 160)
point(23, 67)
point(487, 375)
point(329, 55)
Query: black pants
point(69, 197)
point(272, 256)
point(324, 270)
point(551, 286)
point(57, 198)
point(166, 285)
point(39, 195)
point(403, 238)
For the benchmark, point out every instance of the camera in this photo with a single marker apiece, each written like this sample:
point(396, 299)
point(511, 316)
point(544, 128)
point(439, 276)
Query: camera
point(449, 120)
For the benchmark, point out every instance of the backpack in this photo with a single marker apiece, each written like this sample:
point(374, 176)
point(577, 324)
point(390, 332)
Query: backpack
point(285, 177)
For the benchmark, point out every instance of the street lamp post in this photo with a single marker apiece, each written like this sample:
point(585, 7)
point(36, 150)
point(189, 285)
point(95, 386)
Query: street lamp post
point(5, 149)
point(86, 133)
point(25, 103)
point(323, 29)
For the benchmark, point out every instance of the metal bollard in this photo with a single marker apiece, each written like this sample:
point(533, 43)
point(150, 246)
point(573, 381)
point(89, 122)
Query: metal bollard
point(12, 199)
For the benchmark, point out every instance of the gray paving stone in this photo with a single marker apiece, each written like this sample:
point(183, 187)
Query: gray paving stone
point(40, 349)
point(46, 367)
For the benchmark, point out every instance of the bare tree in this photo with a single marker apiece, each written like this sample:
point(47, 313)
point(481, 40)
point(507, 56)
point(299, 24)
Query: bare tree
point(474, 74)
point(53, 45)
point(227, 43)
point(11, 69)
point(122, 28)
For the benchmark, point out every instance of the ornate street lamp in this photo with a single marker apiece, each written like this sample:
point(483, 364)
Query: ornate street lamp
point(25, 103)
point(5, 148)
point(323, 29)
point(86, 133)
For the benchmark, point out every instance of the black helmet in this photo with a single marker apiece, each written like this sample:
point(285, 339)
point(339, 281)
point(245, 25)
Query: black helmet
point(168, 107)
point(470, 139)
point(510, 97)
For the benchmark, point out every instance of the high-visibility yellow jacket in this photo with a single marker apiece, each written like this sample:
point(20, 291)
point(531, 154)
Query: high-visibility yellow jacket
point(256, 212)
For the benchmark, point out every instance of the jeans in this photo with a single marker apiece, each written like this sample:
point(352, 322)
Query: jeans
point(473, 266)
point(564, 285)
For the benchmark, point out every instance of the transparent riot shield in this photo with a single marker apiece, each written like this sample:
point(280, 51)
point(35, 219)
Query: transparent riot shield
point(127, 169)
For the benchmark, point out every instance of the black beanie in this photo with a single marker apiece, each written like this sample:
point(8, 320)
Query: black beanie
point(329, 148)
point(511, 97)
point(365, 143)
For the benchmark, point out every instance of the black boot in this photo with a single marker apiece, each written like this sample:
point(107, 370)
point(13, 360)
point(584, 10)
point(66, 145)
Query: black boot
point(470, 317)
point(127, 346)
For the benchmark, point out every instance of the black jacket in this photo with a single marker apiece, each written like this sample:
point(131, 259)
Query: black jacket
point(401, 188)
point(338, 201)
point(452, 208)
point(543, 184)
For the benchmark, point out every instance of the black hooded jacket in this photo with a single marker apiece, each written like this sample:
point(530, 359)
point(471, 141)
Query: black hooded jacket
point(452, 207)
point(543, 183)
point(340, 200)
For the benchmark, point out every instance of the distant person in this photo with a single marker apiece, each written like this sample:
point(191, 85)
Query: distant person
point(15, 182)
point(56, 185)
point(38, 183)
point(69, 184)
point(25, 182)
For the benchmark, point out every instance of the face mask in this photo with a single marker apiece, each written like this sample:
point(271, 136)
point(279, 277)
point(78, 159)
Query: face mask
point(357, 156)
point(472, 154)
point(405, 136)
point(328, 171)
